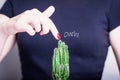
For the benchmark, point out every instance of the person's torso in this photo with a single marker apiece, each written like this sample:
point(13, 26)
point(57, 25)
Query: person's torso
point(83, 25)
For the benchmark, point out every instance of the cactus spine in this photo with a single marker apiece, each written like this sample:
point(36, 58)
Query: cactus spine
point(60, 62)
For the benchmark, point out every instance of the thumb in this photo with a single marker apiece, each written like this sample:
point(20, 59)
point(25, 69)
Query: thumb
point(49, 11)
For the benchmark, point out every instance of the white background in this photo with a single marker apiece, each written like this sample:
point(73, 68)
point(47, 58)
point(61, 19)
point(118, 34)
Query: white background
point(10, 66)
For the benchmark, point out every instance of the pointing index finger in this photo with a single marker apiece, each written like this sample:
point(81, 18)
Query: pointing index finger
point(54, 30)
point(49, 11)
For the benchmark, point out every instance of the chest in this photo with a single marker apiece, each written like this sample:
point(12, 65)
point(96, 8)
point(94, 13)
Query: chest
point(80, 22)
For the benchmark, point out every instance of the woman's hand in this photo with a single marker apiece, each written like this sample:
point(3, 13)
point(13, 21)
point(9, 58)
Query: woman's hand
point(32, 21)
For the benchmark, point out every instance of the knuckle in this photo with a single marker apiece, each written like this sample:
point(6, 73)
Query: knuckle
point(35, 10)
point(27, 11)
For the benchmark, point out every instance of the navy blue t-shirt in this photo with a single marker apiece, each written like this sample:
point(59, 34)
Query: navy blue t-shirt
point(83, 24)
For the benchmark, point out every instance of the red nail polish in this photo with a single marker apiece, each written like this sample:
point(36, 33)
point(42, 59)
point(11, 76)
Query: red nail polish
point(42, 34)
point(58, 36)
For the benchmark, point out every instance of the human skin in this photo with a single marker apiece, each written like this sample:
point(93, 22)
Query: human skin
point(31, 24)
point(30, 21)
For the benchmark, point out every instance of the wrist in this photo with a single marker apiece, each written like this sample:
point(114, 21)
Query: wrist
point(3, 18)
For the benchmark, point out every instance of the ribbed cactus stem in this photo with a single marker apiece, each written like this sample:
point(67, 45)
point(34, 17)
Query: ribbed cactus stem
point(60, 62)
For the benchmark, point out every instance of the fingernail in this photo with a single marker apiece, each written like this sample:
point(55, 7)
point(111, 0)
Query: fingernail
point(58, 36)
point(42, 34)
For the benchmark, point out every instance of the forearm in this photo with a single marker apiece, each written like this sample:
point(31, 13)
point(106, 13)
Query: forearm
point(3, 36)
point(3, 18)
point(9, 44)
point(3, 39)
point(115, 43)
point(117, 56)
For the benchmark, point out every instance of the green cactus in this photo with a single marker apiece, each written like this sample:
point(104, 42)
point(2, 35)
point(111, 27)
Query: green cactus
point(60, 62)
